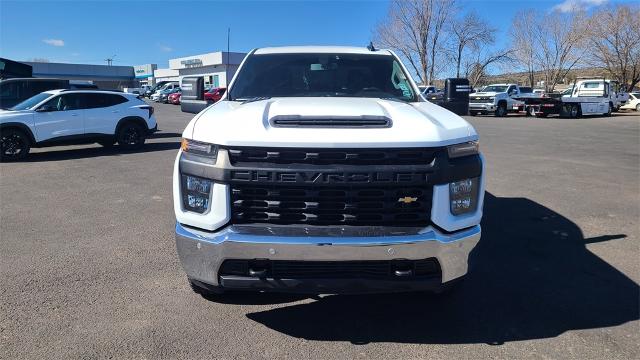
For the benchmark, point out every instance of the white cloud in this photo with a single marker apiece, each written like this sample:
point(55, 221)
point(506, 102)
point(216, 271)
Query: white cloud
point(165, 48)
point(574, 5)
point(54, 42)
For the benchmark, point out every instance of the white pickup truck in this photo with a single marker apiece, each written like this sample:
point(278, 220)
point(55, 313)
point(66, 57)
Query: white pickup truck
point(497, 99)
point(588, 96)
point(323, 170)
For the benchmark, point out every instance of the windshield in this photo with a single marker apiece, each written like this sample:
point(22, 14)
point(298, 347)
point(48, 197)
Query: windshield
point(495, 88)
point(31, 102)
point(347, 75)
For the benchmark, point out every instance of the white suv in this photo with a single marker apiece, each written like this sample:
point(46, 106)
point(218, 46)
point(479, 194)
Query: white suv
point(75, 116)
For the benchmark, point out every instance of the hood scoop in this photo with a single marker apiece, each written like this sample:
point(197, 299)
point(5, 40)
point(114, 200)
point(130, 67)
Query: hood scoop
point(363, 121)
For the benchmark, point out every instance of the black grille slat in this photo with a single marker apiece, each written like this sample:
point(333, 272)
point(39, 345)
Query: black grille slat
point(346, 206)
point(481, 100)
point(295, 269)
point(332, 122)
point(364, 187)
point(410, 156)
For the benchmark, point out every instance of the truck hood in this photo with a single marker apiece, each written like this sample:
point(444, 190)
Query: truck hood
point(419, 124)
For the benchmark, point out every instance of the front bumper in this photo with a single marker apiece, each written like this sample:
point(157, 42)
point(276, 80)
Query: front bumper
point(482, 107)
point(202, 253)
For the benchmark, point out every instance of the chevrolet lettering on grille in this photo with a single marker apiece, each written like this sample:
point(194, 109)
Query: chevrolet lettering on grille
point(327, 178)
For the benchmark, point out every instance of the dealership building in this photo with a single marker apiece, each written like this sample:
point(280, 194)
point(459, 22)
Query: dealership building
point(104, 76)
point(217, 68)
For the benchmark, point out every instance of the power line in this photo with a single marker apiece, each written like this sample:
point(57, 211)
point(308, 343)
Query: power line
point(110, 60)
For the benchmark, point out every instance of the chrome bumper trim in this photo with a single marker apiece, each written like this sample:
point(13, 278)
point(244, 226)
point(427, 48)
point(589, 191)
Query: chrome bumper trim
point(201, 253)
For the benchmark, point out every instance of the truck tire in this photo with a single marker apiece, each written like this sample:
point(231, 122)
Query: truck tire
point(610, 111)
point(501, 111)
point(14, 145)
point(531, 111)
point(574, 111)
point(638, 107)
point(130, 135)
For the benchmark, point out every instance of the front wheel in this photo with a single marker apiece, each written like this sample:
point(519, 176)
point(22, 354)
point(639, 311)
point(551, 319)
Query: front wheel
point(130, 136)
point(638, 107)
point(610, 111)
point(531, 111)
point(574, 111)
point(14, 144)
point(501, 111)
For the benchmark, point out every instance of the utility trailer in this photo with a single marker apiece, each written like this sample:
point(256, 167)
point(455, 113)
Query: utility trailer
point(588, 96)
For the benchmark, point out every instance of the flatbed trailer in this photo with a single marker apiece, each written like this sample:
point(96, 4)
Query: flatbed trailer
point(587, 97)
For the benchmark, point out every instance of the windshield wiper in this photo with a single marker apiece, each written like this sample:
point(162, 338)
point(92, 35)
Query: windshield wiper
point(252, 99)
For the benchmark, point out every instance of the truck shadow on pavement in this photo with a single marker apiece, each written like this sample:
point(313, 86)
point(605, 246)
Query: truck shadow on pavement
point(533, 279)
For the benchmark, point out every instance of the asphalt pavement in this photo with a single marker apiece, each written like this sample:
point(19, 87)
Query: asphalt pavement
point(88, 267)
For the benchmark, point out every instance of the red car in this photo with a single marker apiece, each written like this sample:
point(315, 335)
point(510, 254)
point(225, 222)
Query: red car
point(174, 98)
point(214, 94)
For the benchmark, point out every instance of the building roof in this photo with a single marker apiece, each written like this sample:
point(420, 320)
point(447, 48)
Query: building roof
point(319, 49)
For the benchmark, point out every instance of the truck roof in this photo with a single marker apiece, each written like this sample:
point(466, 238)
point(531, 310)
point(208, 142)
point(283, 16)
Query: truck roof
point(319, 49)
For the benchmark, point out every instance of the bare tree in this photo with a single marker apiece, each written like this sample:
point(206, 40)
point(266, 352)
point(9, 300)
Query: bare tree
point(522, 37)
point(477, 67)
point(559, 45)
point(614, 37)
point(550, 45)
point(415, 29)
point(469, 32)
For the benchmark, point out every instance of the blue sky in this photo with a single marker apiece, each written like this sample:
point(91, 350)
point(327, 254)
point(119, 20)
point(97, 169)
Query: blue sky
point(140, 32)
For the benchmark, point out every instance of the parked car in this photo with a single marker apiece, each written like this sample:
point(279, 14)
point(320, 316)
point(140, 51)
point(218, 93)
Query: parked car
point(497, 99)
point(16, 90)
point(166, 85)
point(174, 98)
point(164, 95)
point(74, 116)
point(214, 94)
point(427, 89)
point(350, 183)
point(633, 103)
point(155, 88)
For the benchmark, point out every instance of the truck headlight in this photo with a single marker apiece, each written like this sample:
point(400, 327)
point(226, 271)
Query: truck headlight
point(199, 148)
point(464, 149)
point(195, 193)
point(463, 195)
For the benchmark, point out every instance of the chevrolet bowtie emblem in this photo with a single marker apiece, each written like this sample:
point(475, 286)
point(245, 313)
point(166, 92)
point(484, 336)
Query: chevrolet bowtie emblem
point(407, 199)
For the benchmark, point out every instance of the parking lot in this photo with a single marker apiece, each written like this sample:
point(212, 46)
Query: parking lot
point(89, 267)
